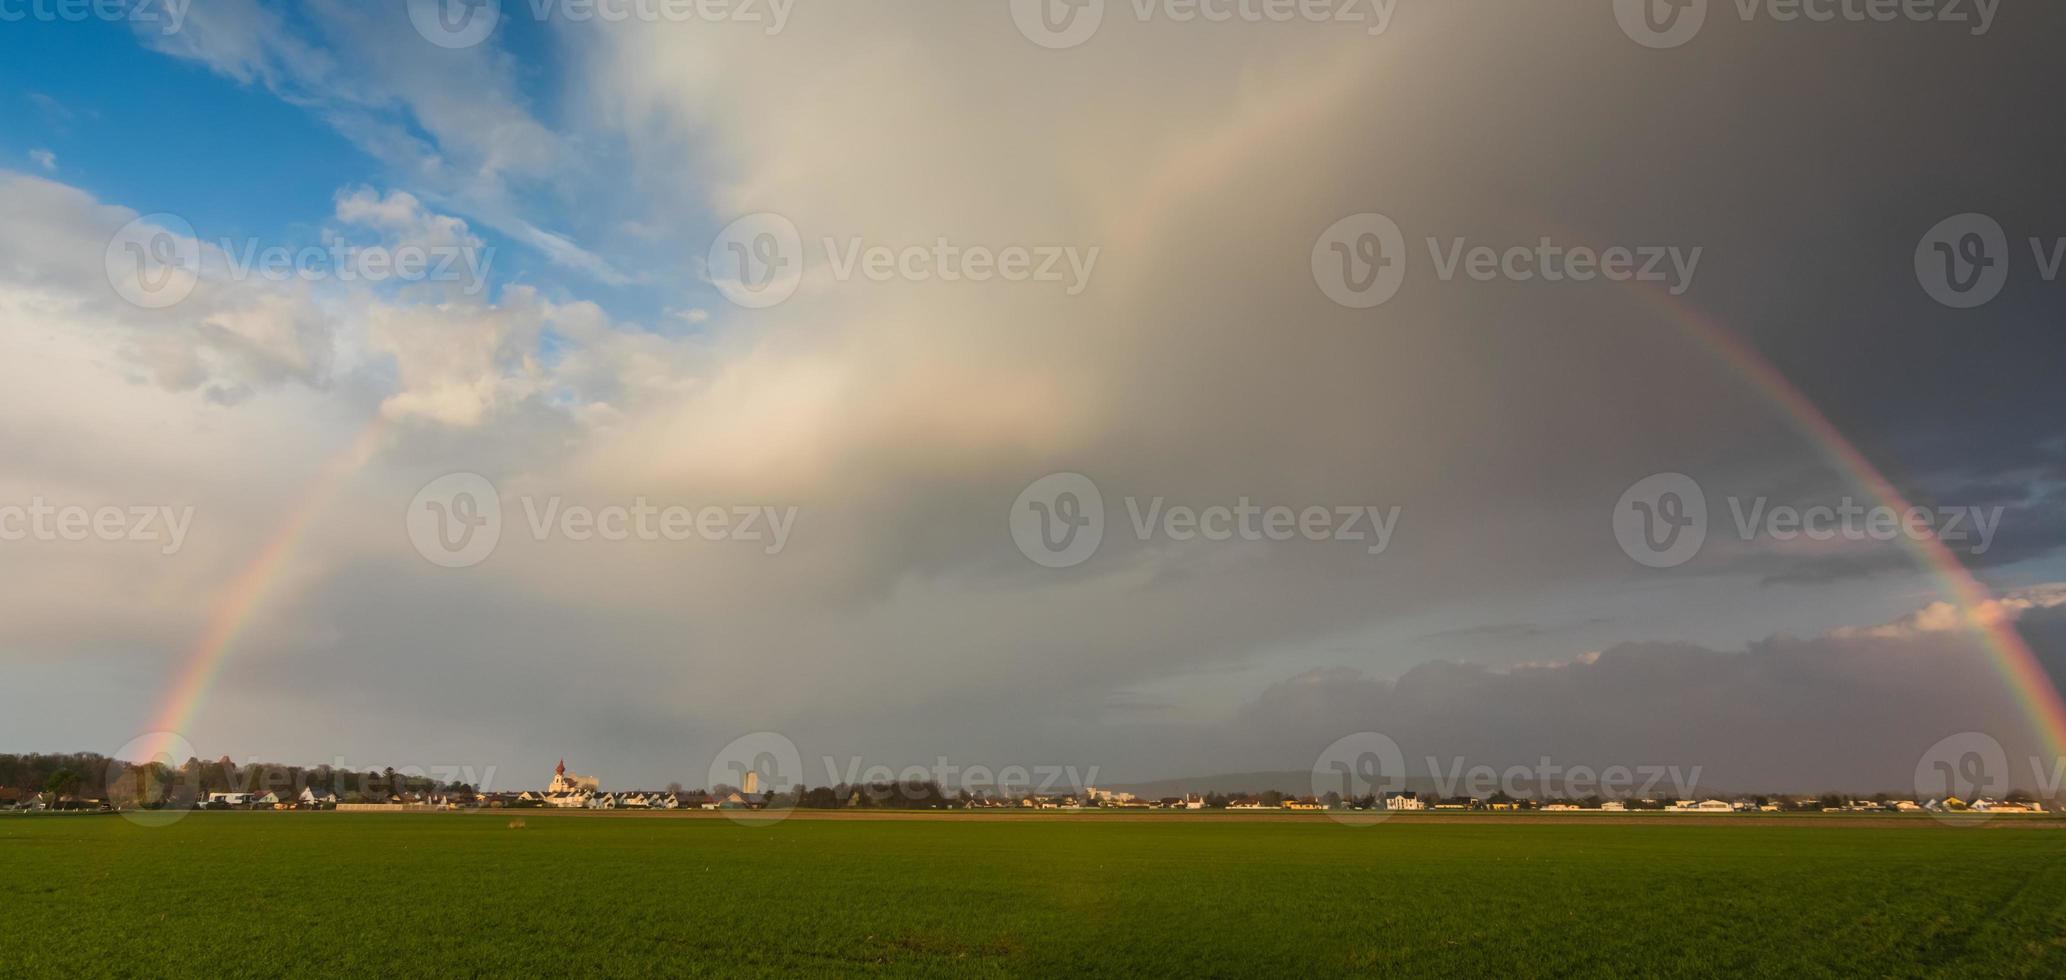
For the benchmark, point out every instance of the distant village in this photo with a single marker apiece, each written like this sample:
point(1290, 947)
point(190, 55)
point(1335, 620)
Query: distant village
point(227, 787)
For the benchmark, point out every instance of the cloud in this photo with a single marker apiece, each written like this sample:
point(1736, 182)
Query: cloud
point(44, 158)
point(230, 332)
point(403, 219)
point(1202, 365)
point(451, 121)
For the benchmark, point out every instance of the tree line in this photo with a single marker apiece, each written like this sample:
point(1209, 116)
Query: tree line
point(92, 776)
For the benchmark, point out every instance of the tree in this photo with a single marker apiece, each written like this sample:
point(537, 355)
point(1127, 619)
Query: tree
point(62, 783)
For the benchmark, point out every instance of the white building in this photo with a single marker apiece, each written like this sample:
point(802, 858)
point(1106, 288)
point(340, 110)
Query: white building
point(570, 791)
point(1405, 801)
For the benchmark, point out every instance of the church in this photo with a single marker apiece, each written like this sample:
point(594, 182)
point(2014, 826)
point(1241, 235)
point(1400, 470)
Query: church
point(570, 789)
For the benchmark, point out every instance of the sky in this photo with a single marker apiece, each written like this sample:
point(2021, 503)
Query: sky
point(900, 349)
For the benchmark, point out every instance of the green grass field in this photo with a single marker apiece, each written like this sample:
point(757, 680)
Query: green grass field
point(622, 895)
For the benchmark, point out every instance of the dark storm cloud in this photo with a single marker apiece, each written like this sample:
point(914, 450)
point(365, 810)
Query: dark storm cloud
point(1850, 711)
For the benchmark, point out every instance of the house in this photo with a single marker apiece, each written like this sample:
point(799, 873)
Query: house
point(1561, 808)
point(1304, 803)
point(1614, 806)
point(314, 799)
point(229, 801)
point(1405, 801)
point(1991, 806)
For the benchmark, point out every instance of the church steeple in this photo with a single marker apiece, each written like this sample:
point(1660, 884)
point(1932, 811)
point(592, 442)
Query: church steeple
point(561, 770)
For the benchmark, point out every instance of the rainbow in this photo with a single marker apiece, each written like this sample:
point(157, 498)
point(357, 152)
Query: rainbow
point(233, 610)
point(2026, 678)
point(2028, 681)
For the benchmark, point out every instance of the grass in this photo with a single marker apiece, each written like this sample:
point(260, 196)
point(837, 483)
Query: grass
point(621, 895)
